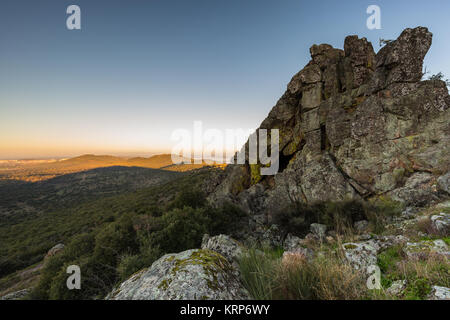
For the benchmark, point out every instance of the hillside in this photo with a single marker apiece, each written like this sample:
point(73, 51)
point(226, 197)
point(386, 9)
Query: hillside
point(26, 241)
point(38, 170)
point(20, 199)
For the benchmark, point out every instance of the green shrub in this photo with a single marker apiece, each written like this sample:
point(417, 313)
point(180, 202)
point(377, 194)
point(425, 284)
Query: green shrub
point(417, 289)
point(130, 264)
point(225, 219)
point(388, 262)
point(180, 229)
point(339, 216)
point(189, 198)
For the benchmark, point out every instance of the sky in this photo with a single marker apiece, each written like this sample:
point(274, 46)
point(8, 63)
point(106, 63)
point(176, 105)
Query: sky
point(138, 70)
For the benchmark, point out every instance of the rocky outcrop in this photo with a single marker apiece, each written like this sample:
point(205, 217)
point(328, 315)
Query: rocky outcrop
point(17, 295)
point(354, 124)
point(198, 274)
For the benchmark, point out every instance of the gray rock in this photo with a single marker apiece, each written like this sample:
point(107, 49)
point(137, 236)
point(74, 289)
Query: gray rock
point(189, 275)
point(439, 293)
point(443, 182)
point(223, 244)
point(17, 295)
point(441, 222)
point(272, 237)
point(397, 288)
point(54, 250)
point(318, 229)
point(424, 248)
point(360, 255)
point(292, 242)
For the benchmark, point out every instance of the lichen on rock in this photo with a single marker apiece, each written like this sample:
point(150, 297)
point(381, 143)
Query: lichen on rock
point(195, 274)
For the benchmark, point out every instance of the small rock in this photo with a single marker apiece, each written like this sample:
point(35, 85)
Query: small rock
point(439, 293)
point(223, 244)
point(422, 249)
point(441, 222)
point(318, 229)
point(17, 295)
point(291, 242)
point(397, 287)
point(408, 213)
point(361, 226)
point(360, 255)
point(54, 251)
point(443, 182)
point(272, 237)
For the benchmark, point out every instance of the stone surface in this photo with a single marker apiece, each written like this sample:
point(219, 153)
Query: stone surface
point(397, 288)
point(17, 295)
point(189, 275)
point(360, 255)
point(422, 249)
point(441, 222)
point(354, 124)
point(229, 248)
point(292, 242)
point(272, 237)
point(439, 293)
point(54, 251)
point(444, 182)
point(318, 229)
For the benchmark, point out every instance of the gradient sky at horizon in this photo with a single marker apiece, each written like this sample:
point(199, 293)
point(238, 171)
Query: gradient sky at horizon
point(138, 69)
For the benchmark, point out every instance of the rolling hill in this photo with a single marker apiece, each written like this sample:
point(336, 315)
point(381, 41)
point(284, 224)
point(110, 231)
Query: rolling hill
point(32, 170)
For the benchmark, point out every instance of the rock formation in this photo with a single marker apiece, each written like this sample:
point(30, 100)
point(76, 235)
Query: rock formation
point(354, 124)
point(199, 274)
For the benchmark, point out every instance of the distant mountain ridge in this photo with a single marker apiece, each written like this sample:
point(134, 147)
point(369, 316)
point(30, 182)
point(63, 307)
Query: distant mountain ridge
point(42, 170)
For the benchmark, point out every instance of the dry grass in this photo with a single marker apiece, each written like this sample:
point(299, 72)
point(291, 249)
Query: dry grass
point(294, 277)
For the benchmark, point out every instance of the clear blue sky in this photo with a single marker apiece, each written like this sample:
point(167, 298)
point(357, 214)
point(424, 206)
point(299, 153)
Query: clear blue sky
point(140, 69)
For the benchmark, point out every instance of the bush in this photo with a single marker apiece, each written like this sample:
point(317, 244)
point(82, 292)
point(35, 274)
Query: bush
point(339, 216)
point(225, 219)
point(129, 264)
point(189, 198)
point(267, 276)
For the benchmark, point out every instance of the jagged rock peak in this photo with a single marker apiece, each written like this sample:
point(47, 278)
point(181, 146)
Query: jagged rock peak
point(353, 124)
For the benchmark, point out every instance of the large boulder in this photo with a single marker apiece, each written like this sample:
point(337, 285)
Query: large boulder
point(196, 274)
